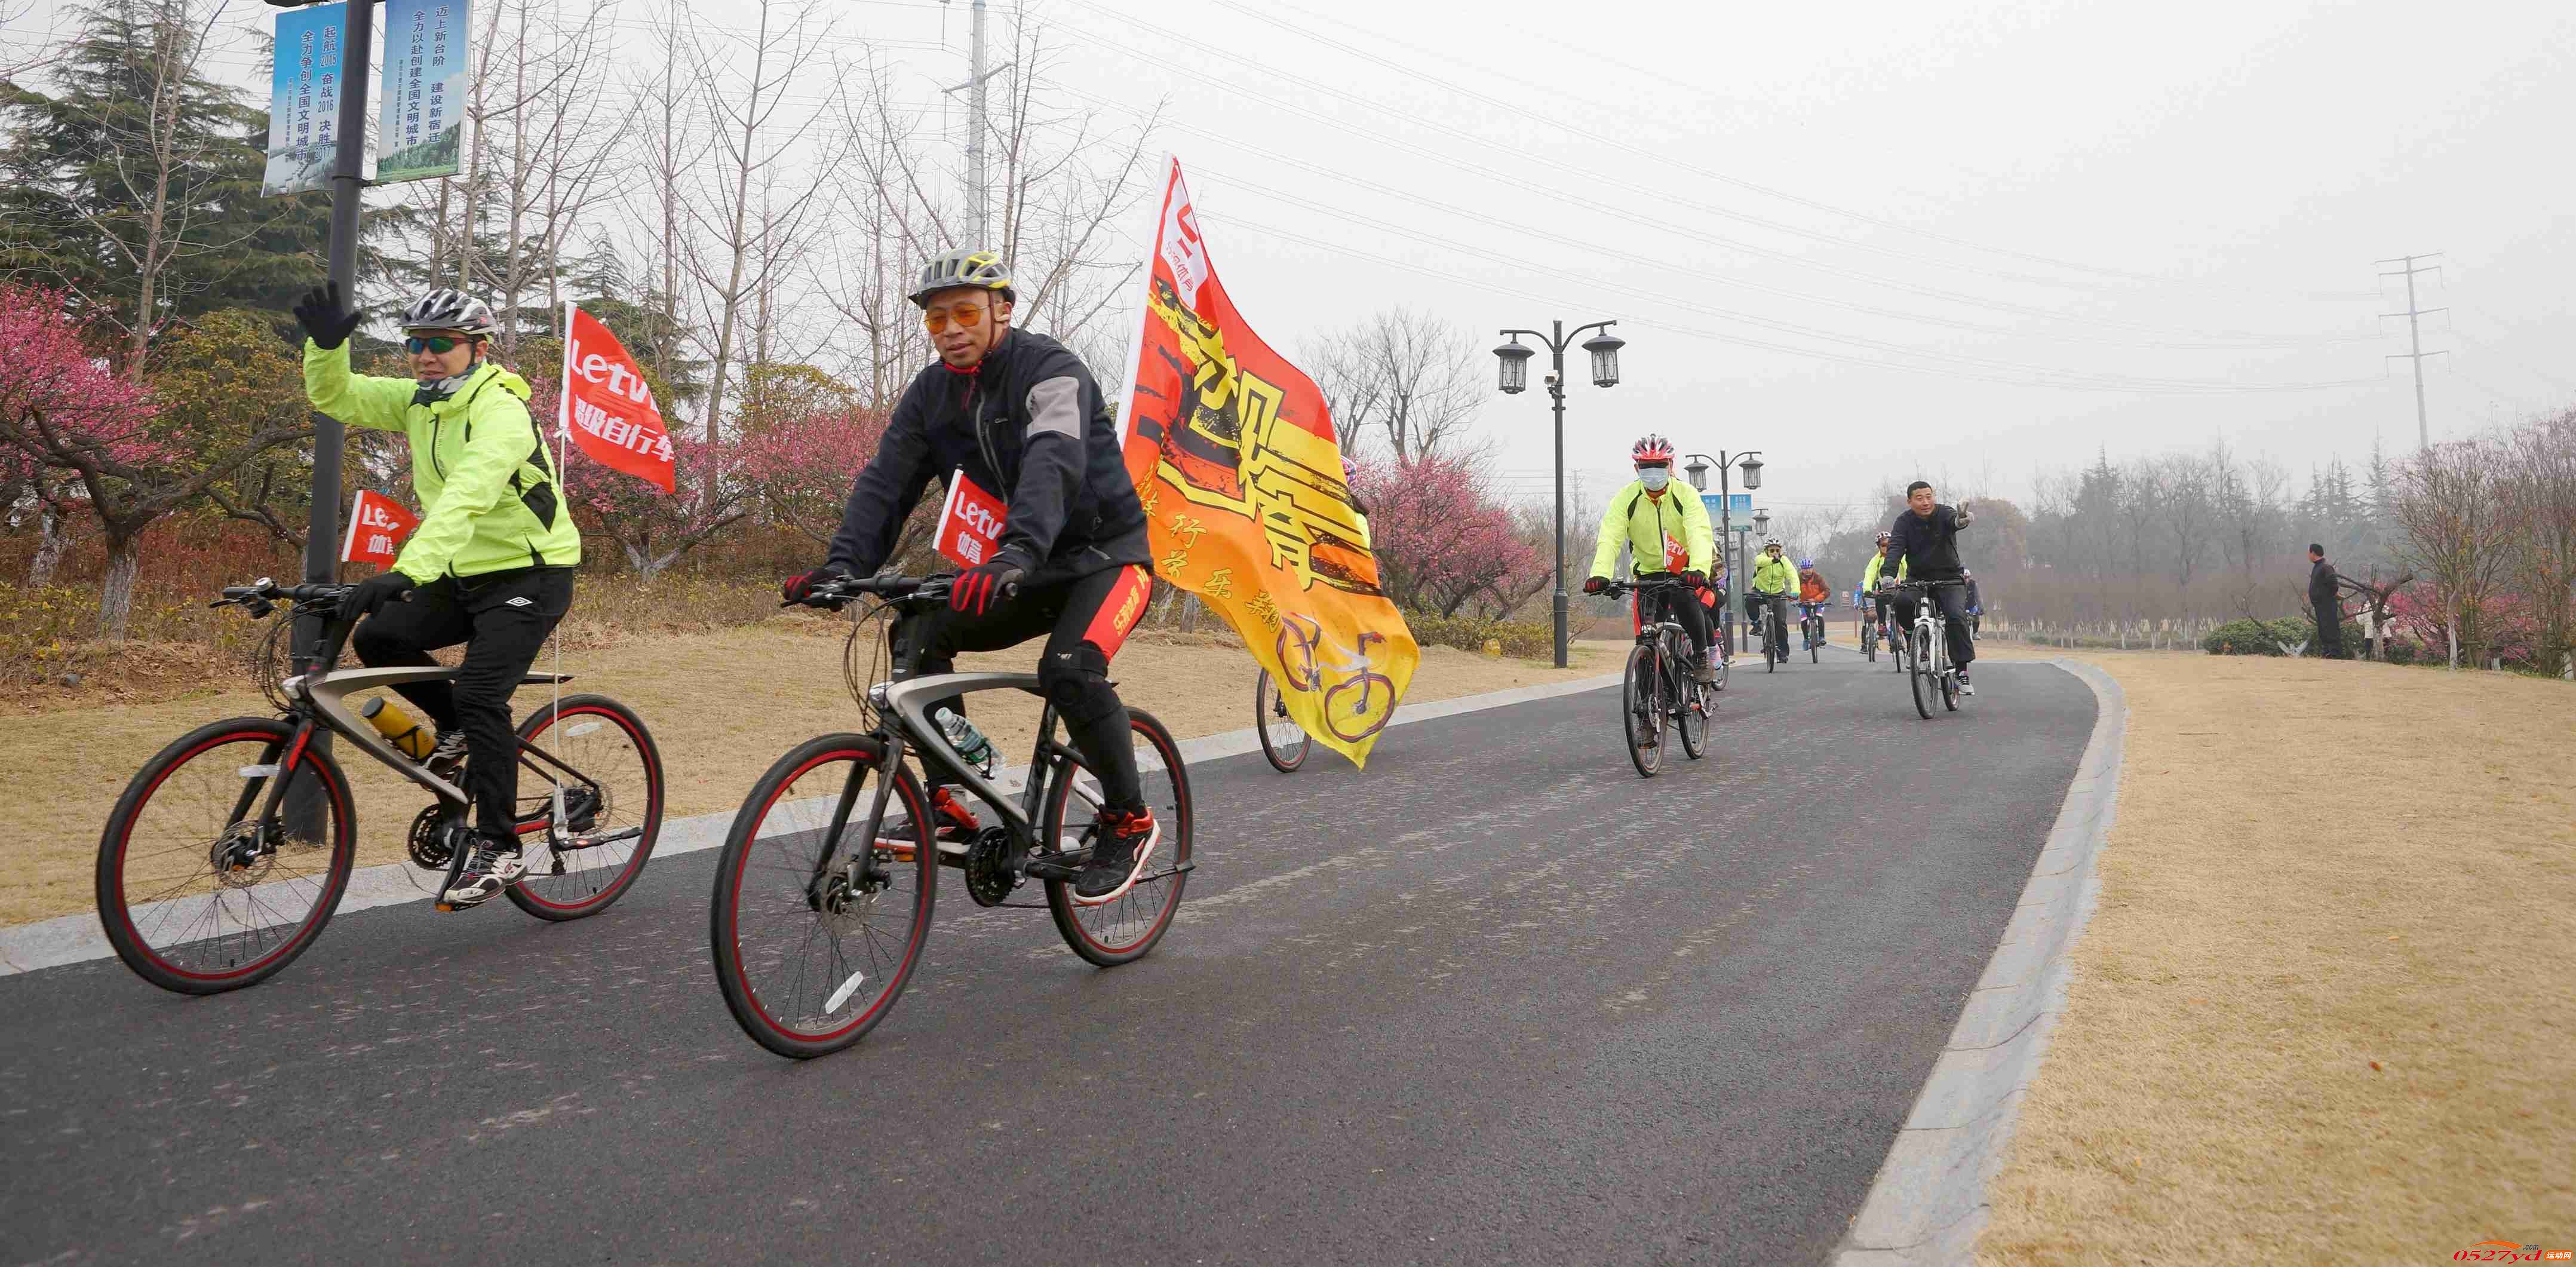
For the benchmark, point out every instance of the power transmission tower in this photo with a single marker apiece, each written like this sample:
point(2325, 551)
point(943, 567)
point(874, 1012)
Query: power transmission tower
point(2414, 334)
point(979, 189)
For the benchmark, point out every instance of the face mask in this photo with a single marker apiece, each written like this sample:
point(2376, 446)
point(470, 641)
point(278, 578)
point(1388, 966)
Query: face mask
point(1654, 478)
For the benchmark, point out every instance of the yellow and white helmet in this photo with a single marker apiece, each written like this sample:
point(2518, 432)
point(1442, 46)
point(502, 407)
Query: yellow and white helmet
point(963, 266)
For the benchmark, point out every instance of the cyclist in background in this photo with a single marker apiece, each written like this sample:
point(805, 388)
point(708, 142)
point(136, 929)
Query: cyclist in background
point(1869, 591)
point(1811, 584)
point(1022, 417)
point(1924, 541)
point(1774, 580)
point(489, 566)
point(1976, 607)
point(1666, 533)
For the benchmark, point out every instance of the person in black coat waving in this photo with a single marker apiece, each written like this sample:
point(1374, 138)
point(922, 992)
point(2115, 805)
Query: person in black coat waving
point(2329, 607)
point(1923, 544)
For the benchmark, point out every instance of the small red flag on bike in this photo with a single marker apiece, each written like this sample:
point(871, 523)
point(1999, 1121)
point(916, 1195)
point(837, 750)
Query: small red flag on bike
point(377, 526)
point(970, 525)
point(607, 408)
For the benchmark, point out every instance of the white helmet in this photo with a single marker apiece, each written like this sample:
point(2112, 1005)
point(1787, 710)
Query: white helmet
point(446, 309)
point(1768, 542)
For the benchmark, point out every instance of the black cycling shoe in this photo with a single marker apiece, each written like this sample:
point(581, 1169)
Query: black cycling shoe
point(1125, 844)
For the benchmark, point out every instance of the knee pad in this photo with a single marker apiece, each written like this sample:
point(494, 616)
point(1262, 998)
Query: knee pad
point(1078, 684)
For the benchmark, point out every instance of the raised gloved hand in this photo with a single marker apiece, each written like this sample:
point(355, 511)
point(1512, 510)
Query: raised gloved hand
point(800, 587)
point(326, 318)
point(375, 592)
point(979, 588)
point(1595, 584)
point(1963, 518)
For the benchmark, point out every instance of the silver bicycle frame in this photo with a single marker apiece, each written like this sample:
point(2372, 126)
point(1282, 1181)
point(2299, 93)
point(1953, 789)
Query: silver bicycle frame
point(328, 694)
point(911, 699)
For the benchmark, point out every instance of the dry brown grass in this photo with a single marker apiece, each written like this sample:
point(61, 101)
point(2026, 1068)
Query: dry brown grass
point(721, 705)
point(2324, 1008)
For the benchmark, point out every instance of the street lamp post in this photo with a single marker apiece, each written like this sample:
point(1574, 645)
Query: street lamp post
point(1726, 463)
point(1604, 348)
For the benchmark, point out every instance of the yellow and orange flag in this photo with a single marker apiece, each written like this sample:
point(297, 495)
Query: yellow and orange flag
point(1234, 458)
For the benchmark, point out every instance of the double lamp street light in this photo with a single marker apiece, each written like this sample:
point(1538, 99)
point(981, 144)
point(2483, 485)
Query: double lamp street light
point(1727, 464)
point(1604, 348)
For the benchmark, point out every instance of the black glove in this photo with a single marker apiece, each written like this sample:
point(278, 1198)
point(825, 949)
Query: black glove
point(374, 592)
point(326, 319)
point(800, 588)
point(1695, 578)
point(1595, 584)
point(979, 588)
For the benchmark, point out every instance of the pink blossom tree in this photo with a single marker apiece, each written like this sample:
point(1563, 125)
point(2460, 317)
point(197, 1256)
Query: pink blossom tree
point(1443, 540)
point(100, 441)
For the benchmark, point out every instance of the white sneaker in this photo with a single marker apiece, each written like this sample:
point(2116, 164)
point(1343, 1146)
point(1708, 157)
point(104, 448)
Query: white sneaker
point(489, 871)
point(1964, 687)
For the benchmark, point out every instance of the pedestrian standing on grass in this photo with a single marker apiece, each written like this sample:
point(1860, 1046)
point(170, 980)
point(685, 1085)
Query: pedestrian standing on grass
point(2329, 609)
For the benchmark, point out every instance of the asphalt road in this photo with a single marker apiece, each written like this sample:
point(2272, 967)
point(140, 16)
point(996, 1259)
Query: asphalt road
point(1497, 1000)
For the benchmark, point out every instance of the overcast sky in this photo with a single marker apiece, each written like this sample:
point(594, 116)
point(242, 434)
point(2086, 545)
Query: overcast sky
point(1878, 238)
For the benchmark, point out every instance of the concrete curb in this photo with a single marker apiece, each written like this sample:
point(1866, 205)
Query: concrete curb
point(1928, 1204)
point(71, 939)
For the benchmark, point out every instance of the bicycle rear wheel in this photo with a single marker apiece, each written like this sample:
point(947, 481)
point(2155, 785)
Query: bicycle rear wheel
point(1816, 641)
point(1918, 667)
point(1283, 741)
point(1642, 713)
point(1868, 643)
point(197, 893)
point(608, 774)
point(1124, 928)
point(814, 938)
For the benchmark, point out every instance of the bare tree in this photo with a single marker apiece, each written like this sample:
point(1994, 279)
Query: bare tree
point(2538, 483)
point(1420, 372)
point(2460, 533)
point(1351, 393)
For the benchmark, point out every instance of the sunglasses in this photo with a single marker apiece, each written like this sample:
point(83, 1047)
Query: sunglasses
point(967, 318)
point(440, 344)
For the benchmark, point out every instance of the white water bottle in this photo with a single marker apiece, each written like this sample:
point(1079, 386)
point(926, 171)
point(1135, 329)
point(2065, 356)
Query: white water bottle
point(969, 742)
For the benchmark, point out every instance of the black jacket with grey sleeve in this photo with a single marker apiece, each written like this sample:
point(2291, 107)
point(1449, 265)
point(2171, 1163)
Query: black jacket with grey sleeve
point(1027, 425)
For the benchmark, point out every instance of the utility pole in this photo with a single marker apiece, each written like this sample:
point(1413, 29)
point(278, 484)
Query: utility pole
point(979, 188)
point(2415, 334)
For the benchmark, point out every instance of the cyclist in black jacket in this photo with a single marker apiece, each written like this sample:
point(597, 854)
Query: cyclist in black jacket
point(1024, 420)
point(1923, 544)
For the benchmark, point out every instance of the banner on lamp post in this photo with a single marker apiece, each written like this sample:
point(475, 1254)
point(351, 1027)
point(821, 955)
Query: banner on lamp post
point(421, 133)
point(304, 100)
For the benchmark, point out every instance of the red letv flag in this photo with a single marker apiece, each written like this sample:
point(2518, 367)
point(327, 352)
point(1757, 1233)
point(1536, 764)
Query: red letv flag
point(606, 406)
point(377, 526)
point(970, 525)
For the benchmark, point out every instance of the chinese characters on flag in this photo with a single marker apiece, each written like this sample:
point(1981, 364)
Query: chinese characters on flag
point(970, 525)
point(607, 408)
point(377, 526)
point(1234, 458)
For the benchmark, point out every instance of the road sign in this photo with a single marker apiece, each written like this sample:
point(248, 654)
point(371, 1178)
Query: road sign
point(1737, 503)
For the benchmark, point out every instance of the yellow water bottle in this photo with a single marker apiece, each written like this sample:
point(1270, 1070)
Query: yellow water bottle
point(397, 727)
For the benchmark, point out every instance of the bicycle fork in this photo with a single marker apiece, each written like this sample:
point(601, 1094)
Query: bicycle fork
point(831, 888)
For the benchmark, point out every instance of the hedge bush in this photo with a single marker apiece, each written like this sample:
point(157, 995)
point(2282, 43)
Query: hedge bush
point(1525, 639)
point(2268, 637)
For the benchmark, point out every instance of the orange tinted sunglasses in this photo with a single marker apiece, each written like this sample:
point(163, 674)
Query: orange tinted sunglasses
point(936, 319)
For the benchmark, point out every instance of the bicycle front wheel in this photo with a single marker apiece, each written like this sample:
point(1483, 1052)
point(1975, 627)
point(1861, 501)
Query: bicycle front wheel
point(1283, 741)
point(1691, 702)
point(590, 806)
point(1919, 672)
point(1642, 713)
point(197, 891)
point(1123, 929)
point(815, 933)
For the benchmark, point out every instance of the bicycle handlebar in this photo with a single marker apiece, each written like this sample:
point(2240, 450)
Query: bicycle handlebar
point(265, 590)
point(832, 594)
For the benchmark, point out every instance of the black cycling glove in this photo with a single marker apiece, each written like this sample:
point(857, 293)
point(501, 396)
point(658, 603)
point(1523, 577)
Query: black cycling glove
point(326, 319)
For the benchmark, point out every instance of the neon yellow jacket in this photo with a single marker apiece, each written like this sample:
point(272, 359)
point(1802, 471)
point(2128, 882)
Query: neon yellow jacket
point(1869, 575)
point(489, 499)
point(1642, 523)
point(1775, 576)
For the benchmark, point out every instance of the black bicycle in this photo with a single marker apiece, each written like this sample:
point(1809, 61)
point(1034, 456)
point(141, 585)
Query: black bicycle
point(1659, 689)
point(824, 891)
point(230, 849)
point(1284, 743)
point(1771, 626)
point(1811, 624)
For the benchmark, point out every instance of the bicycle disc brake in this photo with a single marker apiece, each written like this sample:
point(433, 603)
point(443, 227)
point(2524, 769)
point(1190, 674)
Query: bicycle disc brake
point(989, 874)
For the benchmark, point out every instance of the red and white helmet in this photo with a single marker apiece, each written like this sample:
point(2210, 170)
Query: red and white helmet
point(1653, 448)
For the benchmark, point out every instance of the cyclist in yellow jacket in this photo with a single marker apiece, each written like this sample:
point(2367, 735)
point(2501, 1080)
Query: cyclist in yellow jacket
point(491, 563)
point(1775, 582)
point(1666, 532)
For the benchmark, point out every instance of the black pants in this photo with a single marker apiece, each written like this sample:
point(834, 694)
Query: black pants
point(1953, 601)
point(1084, 621)
point(1684, 607)
point(1778, 617)
point(502, 618)
point(2329, 629)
